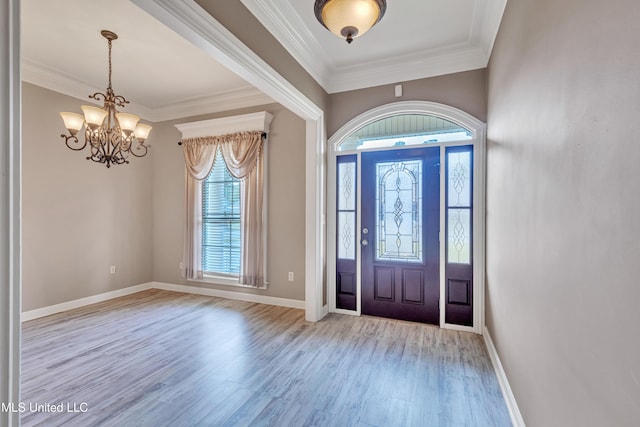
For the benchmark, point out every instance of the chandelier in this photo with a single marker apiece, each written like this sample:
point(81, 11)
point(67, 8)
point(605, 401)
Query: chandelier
point(349, 18)
point(110, 135)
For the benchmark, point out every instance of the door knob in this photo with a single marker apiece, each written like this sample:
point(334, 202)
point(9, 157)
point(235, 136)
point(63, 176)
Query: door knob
point(365, 242)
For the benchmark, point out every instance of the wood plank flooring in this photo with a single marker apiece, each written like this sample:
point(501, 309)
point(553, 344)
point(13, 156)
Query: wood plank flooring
point(159, 358)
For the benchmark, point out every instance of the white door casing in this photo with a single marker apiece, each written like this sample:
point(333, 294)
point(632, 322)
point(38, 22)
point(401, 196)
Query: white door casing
point(478, 131)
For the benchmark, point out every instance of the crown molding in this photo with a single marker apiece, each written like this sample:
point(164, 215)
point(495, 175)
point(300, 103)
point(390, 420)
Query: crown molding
point(419, 66)
point(491, 24)
point(56, 80)
point(247, 96)
point(289, 29)
point(47, 77)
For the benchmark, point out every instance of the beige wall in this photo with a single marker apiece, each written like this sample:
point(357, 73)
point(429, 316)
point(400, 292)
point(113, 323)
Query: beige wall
point(79, 217)
point(563, 210)
point(248, 29)
point(466, 91)
point(286, 168)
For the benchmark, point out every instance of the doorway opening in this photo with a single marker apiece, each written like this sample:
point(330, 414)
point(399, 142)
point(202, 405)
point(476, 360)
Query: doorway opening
point(405, 227)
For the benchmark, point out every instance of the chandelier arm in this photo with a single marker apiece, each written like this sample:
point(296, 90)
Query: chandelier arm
point(119, 100)
point(120, 147)
point(75, 143)
point(98, 141)
point(140, 145)
point(98, 95)
point(118, 157)
point(96, 155)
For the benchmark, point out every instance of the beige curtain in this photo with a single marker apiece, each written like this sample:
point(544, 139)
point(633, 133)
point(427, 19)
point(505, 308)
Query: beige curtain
point(243, 155)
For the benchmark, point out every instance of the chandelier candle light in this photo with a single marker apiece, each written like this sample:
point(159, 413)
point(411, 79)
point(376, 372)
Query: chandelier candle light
point(109, 133)
point(349, 18)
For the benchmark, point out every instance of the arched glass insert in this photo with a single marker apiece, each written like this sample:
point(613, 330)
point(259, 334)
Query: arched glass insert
point(399, 211)
point(403, 130)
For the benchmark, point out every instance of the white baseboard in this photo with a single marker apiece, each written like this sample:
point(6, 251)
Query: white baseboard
point(77, 303)
point(509, 398)
point(70, 305)
point(260, 299)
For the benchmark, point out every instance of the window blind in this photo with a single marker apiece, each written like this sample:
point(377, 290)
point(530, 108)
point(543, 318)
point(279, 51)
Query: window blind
point(221, 242)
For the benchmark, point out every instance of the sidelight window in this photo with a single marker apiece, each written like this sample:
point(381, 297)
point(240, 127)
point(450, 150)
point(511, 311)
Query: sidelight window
point(459, 206)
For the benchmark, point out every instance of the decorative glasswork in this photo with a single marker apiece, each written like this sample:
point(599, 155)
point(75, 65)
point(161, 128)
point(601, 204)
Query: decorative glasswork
point(459, 204)
point(346, 186)
point(346, 201)
point(459, 236)
point(459, 179)
point(346, 235)
point(399, 211)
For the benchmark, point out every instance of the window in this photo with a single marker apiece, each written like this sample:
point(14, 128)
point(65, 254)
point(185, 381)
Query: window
point(225, 188)
point(404, 129)
point(459, 204)
point(221, 244)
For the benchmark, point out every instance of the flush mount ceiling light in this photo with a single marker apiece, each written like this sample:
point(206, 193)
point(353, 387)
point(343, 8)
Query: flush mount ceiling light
point(109, 133)
point(349, 18)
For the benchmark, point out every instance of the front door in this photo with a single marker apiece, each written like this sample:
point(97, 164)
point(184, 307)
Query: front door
point(400, 226)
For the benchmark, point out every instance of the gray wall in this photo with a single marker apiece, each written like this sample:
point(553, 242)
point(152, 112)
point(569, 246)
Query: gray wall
point(79, 217)
point(465, 91)
point(286, 162)
point(563, 210)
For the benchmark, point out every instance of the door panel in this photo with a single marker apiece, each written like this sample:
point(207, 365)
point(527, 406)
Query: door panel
point(400, 227)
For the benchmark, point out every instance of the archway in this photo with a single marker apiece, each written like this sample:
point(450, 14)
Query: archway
point(402, 128)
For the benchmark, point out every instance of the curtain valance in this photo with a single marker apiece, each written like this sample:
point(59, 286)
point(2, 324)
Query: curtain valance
point(240, 151)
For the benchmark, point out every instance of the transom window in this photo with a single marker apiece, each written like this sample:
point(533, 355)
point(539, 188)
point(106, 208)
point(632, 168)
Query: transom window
point(403, 130)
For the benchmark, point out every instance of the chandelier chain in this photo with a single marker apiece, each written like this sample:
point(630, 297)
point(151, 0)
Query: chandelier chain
point(109, 64)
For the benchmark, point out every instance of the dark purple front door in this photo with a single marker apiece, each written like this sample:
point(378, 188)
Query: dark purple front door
point(399, 236)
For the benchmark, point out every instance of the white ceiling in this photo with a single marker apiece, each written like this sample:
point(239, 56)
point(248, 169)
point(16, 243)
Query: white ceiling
point(415, 39)
point(163, 75)
point(166, 77)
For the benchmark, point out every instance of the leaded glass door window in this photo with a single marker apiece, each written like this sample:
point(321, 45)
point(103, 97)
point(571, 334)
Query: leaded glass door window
point(399, 211)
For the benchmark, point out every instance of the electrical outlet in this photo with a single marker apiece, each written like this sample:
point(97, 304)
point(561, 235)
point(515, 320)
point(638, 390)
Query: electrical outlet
point(291, 276)
point(113, 269)
point(181, 266)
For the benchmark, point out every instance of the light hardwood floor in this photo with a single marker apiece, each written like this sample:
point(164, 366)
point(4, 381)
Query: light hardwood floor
point(160, 358)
